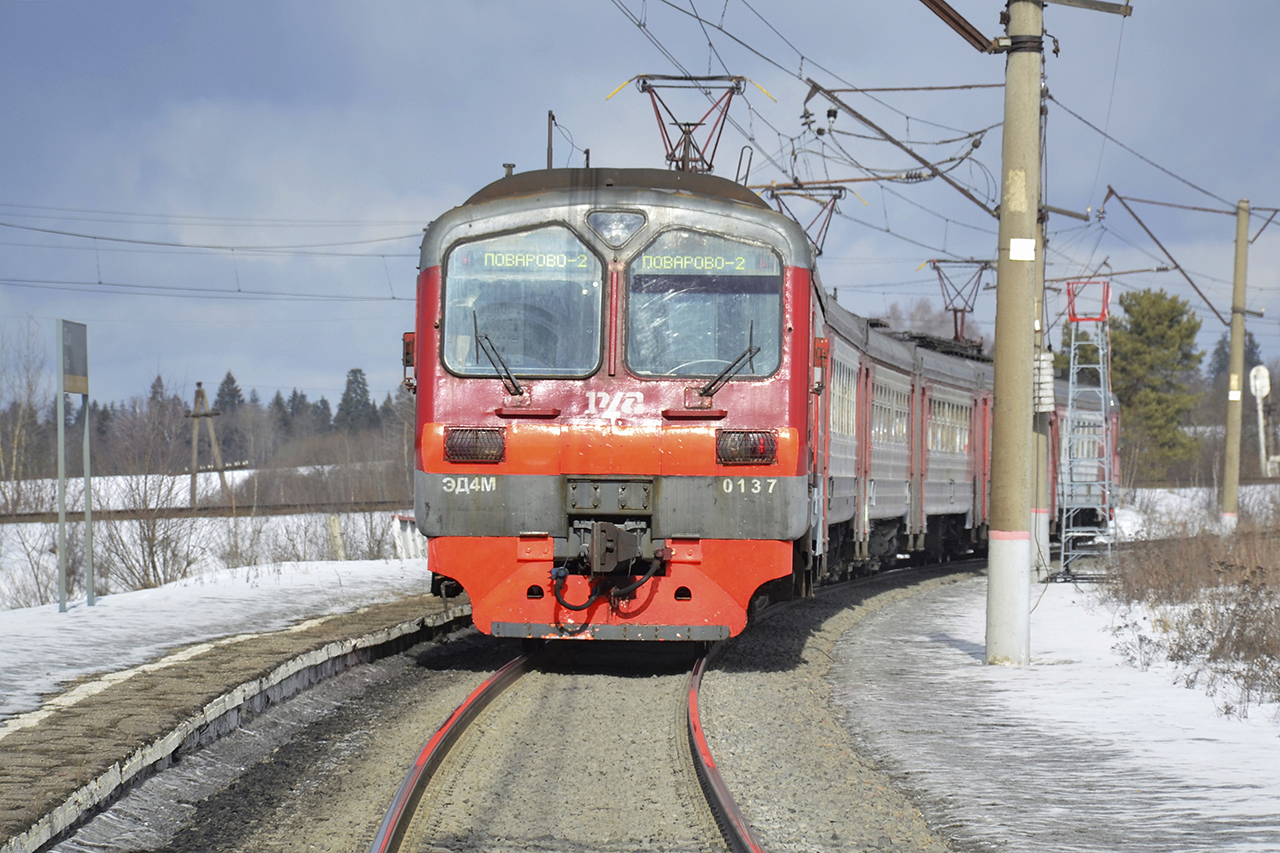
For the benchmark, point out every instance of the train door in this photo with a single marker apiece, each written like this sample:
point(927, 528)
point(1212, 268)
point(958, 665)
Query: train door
point(982, 460)
point(1054, 465)
point(866, 392)
point(919, 462)
point(819, 413)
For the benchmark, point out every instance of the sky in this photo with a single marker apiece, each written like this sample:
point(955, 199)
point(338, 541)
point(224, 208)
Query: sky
point(241, 186)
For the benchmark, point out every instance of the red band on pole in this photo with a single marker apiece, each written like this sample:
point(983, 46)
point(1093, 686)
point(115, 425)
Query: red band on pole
point(1010, 534)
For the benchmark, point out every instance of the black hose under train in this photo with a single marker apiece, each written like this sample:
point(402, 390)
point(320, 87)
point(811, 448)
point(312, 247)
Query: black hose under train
point(557, 588)
point(561, 574)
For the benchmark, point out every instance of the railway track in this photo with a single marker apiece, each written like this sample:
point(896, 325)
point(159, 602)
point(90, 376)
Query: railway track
point(446, 799)
point(628, 739)
point(589, 750)
point(247, 510)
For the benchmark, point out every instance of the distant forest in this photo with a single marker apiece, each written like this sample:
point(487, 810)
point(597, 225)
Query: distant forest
point(303, 450)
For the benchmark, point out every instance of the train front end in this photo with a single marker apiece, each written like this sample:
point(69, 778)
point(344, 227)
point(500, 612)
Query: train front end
point(613, 398)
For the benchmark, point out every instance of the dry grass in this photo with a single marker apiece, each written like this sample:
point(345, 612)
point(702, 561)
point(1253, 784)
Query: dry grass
point(1214, 611)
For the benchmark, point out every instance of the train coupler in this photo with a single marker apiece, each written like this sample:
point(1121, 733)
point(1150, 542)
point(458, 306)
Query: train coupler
point(611, 546)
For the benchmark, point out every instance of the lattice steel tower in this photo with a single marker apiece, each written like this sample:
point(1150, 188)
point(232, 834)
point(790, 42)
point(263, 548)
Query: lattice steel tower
point(1086, 438)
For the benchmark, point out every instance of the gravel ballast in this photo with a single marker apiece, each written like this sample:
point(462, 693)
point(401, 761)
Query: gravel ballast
point(778, 740)
point(589, 754)
point(315, 773)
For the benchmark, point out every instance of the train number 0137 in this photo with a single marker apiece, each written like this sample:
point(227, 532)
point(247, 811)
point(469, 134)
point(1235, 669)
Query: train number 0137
point(748, 485)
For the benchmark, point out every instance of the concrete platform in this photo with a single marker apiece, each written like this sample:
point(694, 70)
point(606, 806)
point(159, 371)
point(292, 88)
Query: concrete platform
point(82, 746)
point(1083, 751)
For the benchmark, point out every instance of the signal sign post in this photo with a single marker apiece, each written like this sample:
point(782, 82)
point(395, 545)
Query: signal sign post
point(73, 378)
point(1260, 387)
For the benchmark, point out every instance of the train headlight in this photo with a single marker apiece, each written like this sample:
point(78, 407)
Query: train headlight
point(746, 447)
point(474, 445)
point(616, 227)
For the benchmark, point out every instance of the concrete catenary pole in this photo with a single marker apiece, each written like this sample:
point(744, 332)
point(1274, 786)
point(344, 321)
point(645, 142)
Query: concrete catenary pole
point(1009, 573)
point(1040, 427)
point(1235, 374)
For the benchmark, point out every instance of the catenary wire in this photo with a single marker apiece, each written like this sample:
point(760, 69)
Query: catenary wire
point(415, 235)
point(162, 250)
point(1105, 135)
point(1115, 75)
point(187, 219)
point(1144, 159)
point(124, 288)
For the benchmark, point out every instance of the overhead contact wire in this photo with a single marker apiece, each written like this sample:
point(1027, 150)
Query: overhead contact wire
point(224, 248)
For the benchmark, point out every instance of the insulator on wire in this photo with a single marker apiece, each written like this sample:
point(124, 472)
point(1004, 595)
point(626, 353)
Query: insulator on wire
point(1044, 399)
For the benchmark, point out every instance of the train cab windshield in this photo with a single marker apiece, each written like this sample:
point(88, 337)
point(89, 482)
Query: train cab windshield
point(698, 303)
point(528, 303)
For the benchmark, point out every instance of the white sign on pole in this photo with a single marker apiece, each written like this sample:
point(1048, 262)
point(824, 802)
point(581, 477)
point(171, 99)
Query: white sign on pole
point(1260, 381)
point(1260, 385)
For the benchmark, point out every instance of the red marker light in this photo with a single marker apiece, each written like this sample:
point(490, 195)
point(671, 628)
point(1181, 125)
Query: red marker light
point(746, 447)
point(474, 445)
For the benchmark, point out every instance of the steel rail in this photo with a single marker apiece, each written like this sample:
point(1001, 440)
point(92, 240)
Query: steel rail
point(219, 511)
point(391, 832)
point(733, 825)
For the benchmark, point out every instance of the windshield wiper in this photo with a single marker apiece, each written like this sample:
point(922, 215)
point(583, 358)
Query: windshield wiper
point(483, 343)
point(744, 358)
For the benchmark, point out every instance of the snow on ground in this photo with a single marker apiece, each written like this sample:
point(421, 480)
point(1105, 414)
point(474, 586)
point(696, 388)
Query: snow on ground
point(1155, 513)
point(192, 548)
point(42, 650)
point(1077, 752)
point(121, 491)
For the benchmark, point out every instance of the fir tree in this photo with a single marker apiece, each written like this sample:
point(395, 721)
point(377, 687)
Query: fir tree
point(229, 397)
point(157, 390)
point(279, 417)
point(356, 411)
point(321, 419)
point(100, 417)
point(1153, 363)
point(298, 405)
point(1220, 358)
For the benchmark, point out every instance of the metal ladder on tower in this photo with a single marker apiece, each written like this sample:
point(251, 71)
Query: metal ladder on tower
point(1086, 440)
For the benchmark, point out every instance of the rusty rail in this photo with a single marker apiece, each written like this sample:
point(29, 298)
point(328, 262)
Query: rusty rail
point(212, 511)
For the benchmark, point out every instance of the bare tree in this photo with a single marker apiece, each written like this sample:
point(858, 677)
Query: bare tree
point(148, 443)
point(24, 393)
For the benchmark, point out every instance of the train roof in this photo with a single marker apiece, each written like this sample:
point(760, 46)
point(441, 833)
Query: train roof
point(917, 353)
point(550, 180)
point(669, 198)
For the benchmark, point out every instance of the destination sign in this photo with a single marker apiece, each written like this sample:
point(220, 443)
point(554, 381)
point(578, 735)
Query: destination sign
point(537, 260)
point(544, 253)
point(708, 264)
point(691, 253)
